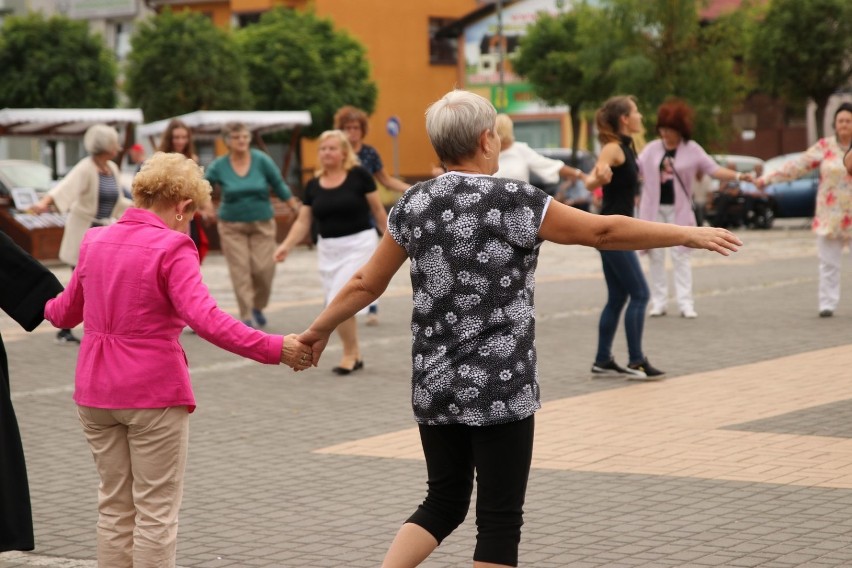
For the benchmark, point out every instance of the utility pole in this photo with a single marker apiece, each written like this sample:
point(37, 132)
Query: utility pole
point(501, 59)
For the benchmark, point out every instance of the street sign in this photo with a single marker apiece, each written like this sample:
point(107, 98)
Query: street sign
point(393, 126)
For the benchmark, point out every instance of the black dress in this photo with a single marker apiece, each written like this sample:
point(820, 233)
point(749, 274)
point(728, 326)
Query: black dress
point(25, 287)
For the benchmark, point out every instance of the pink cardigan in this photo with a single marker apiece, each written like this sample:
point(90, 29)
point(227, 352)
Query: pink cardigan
point(136, 285)
point(690, 158)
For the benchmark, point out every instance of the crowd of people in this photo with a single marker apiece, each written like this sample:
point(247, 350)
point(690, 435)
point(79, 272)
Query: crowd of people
point(472, 234)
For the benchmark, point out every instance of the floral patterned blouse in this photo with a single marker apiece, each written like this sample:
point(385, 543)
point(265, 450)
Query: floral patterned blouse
point(833, 216)
point(473, 243)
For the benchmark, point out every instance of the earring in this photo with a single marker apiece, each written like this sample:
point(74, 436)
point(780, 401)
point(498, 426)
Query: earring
point(179, 217)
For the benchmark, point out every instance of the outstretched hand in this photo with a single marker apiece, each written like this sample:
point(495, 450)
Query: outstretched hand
point(316, 341)
point(295, 354)
point(715, 239)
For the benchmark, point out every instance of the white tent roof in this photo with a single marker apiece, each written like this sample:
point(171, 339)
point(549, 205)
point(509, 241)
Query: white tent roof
point(209, 123)
point(62, 122)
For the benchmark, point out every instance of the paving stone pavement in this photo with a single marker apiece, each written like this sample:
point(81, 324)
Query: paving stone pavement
point(678, 473)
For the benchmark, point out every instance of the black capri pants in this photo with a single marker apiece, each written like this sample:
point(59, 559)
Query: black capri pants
point(500, 455)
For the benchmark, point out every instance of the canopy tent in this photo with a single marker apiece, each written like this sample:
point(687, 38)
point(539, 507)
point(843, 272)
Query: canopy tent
point(62, 122)
point(55, 124)
point(208, 124)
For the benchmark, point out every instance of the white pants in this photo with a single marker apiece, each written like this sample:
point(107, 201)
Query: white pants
point(830, 252)
point(659, 282)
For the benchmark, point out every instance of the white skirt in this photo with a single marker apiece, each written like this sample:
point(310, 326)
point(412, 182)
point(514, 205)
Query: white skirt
point(340, 257)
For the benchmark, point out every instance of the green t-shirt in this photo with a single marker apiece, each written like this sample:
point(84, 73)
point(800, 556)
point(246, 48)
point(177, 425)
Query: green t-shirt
point(246, 198)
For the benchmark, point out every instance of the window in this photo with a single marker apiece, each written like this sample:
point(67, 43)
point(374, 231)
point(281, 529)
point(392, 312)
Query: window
point(442, 50)
point(247, 18)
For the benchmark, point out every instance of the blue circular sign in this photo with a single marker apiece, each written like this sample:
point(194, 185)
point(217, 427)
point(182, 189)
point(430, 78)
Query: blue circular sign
point(393, 126)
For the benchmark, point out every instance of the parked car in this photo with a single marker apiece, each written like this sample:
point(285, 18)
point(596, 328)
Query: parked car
point(796, 198)
point(24, 174)
point(576, 191)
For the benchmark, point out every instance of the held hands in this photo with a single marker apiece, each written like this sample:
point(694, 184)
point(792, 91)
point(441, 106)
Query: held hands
point(295, 354)
point(712, 238)
point(316, 341)
point(601, 175)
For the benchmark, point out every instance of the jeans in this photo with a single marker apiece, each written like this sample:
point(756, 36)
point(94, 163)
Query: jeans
point(624, 280)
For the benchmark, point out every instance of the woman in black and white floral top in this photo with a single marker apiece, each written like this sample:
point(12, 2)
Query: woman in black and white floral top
point(473, 241)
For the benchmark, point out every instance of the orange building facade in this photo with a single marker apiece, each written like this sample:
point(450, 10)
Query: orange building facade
point(409, 69)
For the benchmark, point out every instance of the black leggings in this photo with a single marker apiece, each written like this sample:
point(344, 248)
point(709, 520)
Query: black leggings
point(501, 457)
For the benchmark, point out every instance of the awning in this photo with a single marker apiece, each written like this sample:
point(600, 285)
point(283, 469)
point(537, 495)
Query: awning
point(62, 122)
point(209, 123)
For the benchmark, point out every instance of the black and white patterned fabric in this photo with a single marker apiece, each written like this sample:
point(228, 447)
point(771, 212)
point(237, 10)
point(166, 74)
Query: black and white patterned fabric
point(473, 244)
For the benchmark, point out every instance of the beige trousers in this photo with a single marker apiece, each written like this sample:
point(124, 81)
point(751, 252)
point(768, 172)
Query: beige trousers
point(140, 455)
point(249, 250)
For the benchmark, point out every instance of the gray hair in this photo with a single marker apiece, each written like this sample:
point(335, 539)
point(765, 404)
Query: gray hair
point(100, 139)
point(455, 122)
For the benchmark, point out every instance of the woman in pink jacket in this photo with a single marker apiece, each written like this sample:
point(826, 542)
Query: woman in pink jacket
point(136, 285)
point(668, 167)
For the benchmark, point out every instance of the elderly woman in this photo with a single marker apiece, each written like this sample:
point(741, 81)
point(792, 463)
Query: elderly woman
point(138, 282)
point(518, 160)
point(473, 241)
point(90, 193)
point(353, 122)
point(669, 166)
point(833, 220)
point(246, 224)
point(341, 199)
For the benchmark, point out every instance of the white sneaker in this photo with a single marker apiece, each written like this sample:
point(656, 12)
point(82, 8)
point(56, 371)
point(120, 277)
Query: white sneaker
point(657, 312)
point(689, 313)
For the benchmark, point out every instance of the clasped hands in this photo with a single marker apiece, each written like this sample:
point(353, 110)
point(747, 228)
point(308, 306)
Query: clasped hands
point(301, 352)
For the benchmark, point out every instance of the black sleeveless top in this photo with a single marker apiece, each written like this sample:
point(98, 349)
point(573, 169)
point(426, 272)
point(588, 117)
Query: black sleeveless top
point(620, 193)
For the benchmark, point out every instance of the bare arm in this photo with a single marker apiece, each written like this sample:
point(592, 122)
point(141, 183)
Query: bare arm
point(566, 225)
point(367, 284)
point(611, 155)
point(391, 182)
point(378, 211)
point(725, 174)
point(298, 232)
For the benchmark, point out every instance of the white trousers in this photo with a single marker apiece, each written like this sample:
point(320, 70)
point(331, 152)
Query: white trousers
point(830, 252)
point(659, 281)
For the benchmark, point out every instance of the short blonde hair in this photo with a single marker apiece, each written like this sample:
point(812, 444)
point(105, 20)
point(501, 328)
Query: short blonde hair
point(100, 139)
point(170, 178)
point(232, 128)
point(505, 128)
point(350, 158)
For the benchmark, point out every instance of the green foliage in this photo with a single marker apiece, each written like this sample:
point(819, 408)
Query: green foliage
point(54, 63)
point(297, 61)
point(565, 61)
point(666, 53)
point(653, 49)
point(182, 63)
point(803, 50)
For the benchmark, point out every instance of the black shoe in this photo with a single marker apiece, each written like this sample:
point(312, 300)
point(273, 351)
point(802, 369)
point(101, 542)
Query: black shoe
point(258, 317)
point(610, 369)
point(645, 372)
point(359, 364)
point(826, 313)
point(65, 337)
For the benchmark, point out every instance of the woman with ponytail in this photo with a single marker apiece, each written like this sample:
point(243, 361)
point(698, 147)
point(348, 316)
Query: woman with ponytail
point(617, 120)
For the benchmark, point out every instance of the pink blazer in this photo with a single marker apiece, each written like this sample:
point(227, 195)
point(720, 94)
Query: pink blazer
point(136, 285)
point(690, 158)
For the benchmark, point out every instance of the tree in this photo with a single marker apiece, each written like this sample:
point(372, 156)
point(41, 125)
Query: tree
point(803, 50)
point(667, 53)
point(54, 63)
point(182, 63)
point(565, 62)
point(297, 61)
